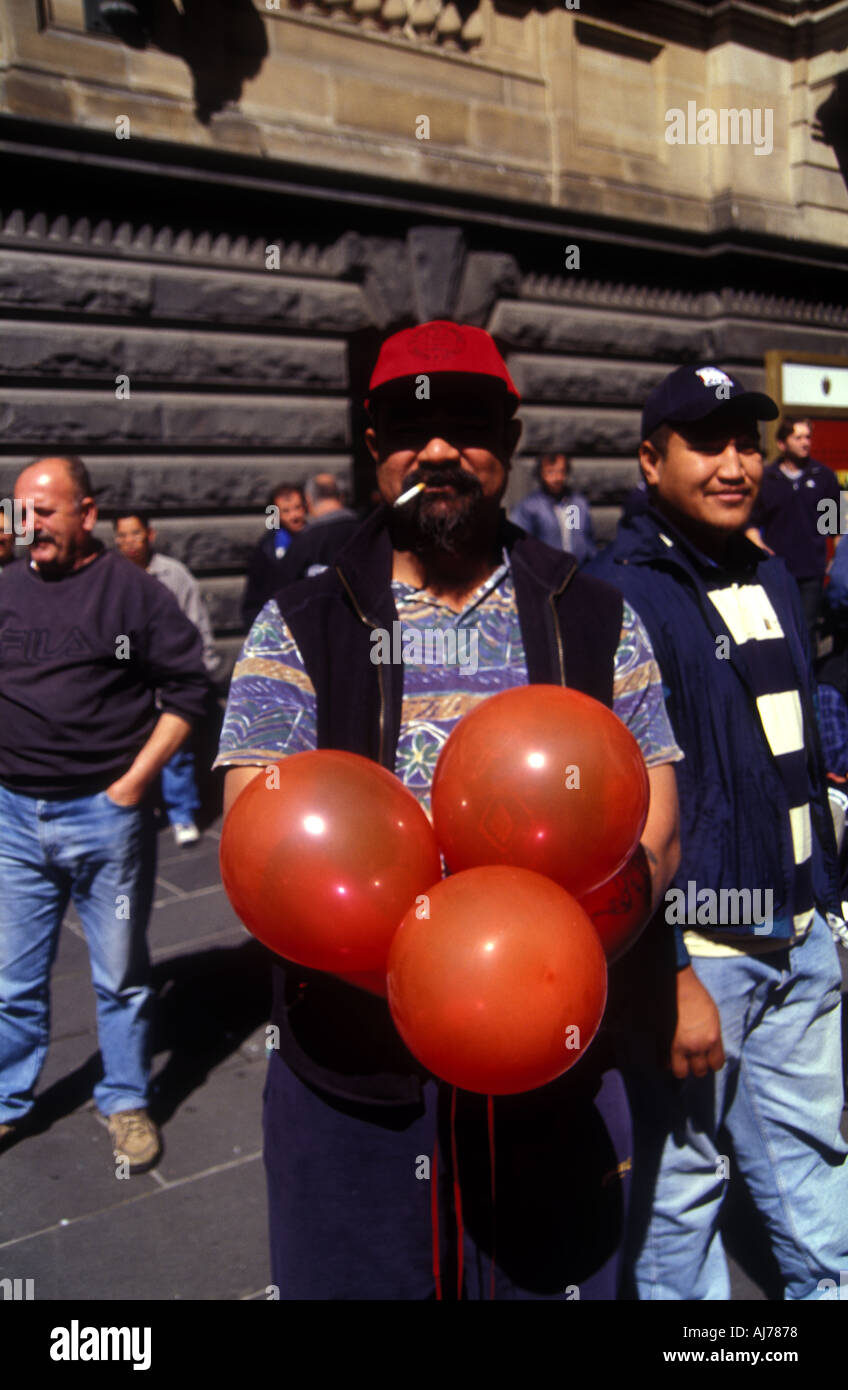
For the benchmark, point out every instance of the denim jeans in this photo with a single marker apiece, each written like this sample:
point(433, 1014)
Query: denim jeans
point(179, 791)
point(103, 856)
point(780, 1097)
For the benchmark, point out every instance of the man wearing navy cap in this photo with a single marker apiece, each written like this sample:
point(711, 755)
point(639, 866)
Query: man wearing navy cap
point(362, 1200)
point(757, 1043)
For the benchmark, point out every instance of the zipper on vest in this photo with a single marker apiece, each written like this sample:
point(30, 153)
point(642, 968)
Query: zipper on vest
point(380, 676)
point(558, 634)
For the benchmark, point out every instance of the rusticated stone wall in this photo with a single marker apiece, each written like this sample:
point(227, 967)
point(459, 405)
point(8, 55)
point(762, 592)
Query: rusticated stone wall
point(296, 125)
point(240, 375)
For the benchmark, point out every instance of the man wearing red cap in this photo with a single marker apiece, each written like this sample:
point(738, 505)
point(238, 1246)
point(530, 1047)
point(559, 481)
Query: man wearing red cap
point(358, 1209)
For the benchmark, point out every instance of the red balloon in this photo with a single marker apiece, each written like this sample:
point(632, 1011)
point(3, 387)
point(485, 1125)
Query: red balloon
point(502, 988)
point(322, 864)
point(621, 907)
point(543, 778)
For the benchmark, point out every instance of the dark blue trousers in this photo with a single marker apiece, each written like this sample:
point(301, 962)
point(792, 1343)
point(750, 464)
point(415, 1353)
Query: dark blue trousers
point(350, 1191)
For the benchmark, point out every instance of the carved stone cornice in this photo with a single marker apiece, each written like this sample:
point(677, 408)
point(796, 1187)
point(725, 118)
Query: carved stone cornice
point(706, 304)
point(148, 242)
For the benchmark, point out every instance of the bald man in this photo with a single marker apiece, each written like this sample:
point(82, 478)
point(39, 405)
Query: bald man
point(87, 643)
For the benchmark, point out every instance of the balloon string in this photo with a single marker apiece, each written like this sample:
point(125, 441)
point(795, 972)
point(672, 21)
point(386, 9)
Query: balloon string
point(434, 1213)
point(490, 1117)
point(457, 1196)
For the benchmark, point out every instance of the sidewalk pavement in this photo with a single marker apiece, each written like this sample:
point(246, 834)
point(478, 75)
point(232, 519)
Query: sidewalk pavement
point(195, 1226)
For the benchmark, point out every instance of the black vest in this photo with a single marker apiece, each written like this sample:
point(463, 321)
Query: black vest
point(333, 1035)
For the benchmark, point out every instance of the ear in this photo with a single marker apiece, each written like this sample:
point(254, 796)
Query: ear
point(371, 442)
point(650, 463)
point(151, 534)
point(88, 507)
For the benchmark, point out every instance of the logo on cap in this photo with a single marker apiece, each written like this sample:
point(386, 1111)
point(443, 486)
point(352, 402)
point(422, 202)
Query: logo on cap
point(713, 376)
point(436, 342)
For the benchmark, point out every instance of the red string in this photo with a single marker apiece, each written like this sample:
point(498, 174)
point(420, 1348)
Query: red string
point(457, 1196)
point(490, 1117)
point(434, 1213)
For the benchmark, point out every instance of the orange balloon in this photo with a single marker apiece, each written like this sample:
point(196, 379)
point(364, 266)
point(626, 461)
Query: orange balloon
point(620, 909)
point(502, 988)
point(543, 778)
point(322, 859)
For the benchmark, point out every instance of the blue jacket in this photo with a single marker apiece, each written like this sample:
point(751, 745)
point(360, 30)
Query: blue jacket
point(734, 817)
point(537, 516)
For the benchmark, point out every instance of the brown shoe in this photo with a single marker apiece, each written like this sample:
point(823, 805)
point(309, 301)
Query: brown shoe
point(135, 1139)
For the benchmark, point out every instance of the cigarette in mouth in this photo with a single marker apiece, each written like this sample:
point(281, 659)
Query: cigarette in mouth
point(410, 493)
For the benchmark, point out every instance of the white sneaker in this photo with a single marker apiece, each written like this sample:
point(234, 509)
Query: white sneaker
point(186, 834)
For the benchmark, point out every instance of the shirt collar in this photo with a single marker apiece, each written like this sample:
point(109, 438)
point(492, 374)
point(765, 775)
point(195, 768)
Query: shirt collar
point(408, 592)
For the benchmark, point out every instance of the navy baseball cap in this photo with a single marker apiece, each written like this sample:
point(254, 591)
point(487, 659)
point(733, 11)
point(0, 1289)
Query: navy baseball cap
point(693, 393)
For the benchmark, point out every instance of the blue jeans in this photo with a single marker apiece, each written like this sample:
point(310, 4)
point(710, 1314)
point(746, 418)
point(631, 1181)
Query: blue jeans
point(103, 856)
point(179, 791)
point(780, 1097)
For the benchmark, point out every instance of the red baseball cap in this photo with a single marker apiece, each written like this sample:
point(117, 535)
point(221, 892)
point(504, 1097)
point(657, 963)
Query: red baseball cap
point(440, 346)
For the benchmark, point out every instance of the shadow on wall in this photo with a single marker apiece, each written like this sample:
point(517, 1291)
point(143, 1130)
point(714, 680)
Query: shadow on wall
point(831, 127)
point(223, 42)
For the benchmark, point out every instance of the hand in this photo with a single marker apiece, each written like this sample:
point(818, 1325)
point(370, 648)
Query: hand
point(696, 1047)
point(126, 791)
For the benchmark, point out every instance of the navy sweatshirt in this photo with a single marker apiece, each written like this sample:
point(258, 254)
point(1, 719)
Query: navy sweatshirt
point(81, 661)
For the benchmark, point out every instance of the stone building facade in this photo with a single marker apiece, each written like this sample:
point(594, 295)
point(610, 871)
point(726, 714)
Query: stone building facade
point(232, 213)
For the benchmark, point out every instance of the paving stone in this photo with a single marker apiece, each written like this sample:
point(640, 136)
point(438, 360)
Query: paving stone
point(216, 1122)
point(205, 1238)
point(65, 1172)
point(72, 953)
point(179, 921)
point(195, 866)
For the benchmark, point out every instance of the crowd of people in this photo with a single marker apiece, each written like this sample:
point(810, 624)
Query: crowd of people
point(699, 626)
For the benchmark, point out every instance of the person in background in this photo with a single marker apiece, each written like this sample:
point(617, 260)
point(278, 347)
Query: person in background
point(556, 513)
point(134, 537)
point(101, 679)
point(832, 678)
point(263, 567)
point(786, 515)
point(330, 524)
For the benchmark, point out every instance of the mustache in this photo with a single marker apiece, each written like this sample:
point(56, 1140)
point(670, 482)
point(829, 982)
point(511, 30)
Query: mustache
point(447, 475)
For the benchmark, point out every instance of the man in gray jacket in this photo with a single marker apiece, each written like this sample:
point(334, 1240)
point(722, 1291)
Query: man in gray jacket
point(555, 513)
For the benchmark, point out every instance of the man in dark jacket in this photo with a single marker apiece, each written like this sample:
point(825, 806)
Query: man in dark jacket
point(786, 516)
point(86, 642)
point(349, 1113)
point(757, 1046)
point(285, 519)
